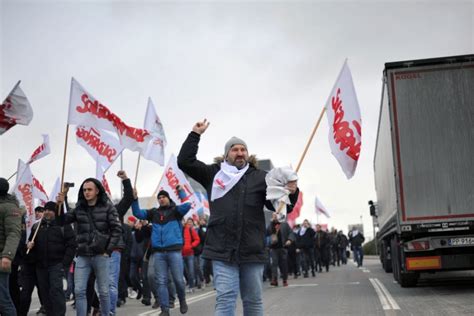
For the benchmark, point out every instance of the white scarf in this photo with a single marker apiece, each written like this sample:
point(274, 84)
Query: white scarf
point(225, 179)
point(302, 230)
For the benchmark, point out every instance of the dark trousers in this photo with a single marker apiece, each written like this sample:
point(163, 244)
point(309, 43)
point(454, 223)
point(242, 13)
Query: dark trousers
point(28, 282)
point(6, 304)
point(15, 286)
point(124, 279)
point(279, 260)
point(307, 259)
point(50, 283)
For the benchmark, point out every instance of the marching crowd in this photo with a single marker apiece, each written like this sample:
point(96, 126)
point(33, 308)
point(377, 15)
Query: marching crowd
point(156, 252)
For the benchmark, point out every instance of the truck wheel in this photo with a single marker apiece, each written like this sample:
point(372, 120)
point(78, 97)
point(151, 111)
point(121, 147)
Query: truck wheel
point(386, 263)
point(395, 260)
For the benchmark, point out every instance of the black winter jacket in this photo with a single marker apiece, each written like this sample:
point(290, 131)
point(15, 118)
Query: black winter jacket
point(103, 215)
point(53, 244)
point(236, 228)
point(122, 207)
point(306, 241)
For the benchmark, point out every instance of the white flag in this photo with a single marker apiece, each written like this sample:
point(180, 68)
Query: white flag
point(15, 109)
point(43, 150)
point(85, 110)
point(103, 147)
point(155, 150)
point(55, 191)
point(39, 193)
point(344, 122)
point(320, 208)
point(24, 193)
point(173, 176)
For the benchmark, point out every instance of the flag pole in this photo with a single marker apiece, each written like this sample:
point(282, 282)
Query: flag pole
point(280, 207)
point(64, 166)
point(136, 172)
point(34, 235)
point(310, 139)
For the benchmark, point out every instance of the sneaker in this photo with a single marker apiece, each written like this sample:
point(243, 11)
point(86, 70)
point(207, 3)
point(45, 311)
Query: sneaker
point(305, 275)
point(156, 305)
point(274, 283)
point(183, 307)
point(171, 305)
point(146, 302)
point(190, 291)
point(285, 283)
point(139, 295)
point(132, 293)
point(41, 311)
point(164, 313)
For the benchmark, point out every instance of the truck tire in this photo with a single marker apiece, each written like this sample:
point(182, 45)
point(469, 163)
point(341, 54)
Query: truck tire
point(386, 259)
point(395, 260)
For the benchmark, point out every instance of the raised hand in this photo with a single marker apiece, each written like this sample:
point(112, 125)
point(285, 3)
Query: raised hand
point(200, 127)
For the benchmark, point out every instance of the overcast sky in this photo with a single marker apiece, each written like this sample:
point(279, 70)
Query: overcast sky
point(258, 70)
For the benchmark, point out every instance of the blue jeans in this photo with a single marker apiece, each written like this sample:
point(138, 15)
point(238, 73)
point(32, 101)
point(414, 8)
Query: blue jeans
point(229, 278)
point(358, 255)
point(114, 273)
point(6, 304)
point(100, 264)
point(189, 268)
point(173, 261)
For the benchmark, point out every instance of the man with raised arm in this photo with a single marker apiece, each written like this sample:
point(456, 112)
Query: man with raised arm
point(236, 228)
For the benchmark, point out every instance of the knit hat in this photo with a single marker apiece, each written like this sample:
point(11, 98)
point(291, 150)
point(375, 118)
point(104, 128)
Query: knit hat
point(4, 186)
point(231, 142)
point(132, 219)
point(50, 206)
point(163, 192)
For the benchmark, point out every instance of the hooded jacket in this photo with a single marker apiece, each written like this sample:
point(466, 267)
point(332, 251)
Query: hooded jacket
point(103, 215)
point(10, 226)
point(236, 227)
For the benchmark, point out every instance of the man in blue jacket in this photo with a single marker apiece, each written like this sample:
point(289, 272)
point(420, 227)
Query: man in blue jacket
point(166, 242)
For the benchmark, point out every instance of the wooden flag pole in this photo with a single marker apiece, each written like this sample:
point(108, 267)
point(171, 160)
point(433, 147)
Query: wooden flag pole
point(64, 166)
point(34, 235)
point(280, 207)
point(310, 139)
point(62, 186)
point(136, 172)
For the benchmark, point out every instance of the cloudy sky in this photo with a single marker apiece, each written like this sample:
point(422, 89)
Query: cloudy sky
point(259, 70)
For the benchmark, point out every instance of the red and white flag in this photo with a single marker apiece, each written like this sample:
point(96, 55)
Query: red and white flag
point(155, 150)
point(43, 150)
point(103, 147)
point(15, 109)
point(39, 193)
point(291, 217)
point(23, 191)
point(85, 110)
point(345, 125)
point(172, 177)
point(320, 209)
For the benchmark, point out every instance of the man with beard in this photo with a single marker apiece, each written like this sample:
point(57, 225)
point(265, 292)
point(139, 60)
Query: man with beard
point(236, 229)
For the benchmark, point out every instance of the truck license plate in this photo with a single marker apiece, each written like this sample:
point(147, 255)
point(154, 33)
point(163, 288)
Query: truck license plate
point(465, 241)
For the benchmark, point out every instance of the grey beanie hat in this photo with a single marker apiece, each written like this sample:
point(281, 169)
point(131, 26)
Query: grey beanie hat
point(231, 142)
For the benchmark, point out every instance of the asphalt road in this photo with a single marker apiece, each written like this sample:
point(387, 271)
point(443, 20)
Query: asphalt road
point(345, 290)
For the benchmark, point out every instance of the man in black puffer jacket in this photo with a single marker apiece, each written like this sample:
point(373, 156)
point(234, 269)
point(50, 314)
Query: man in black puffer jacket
point(236, 229)
point(98, 233)
point(52, 251)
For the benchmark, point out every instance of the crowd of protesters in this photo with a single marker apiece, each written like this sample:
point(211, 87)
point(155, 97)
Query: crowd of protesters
point(157, 255)
point(304, 250)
